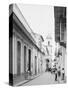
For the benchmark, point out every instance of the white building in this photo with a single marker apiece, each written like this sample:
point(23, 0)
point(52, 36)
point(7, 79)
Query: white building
point(24, 54)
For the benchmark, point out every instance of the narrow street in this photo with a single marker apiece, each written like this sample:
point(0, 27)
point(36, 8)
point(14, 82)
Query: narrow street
point(43, 79)
point(38, 55)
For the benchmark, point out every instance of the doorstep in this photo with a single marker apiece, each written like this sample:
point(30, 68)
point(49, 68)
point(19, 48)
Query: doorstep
point(25, 81)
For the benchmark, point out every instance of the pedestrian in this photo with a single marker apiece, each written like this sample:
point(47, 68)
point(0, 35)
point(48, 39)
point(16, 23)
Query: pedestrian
point(56, 75)
point(59, 74)
point(63, 74)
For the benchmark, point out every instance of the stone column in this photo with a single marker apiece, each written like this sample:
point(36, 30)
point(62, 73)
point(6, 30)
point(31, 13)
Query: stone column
point(32, 61)
point(14, 55)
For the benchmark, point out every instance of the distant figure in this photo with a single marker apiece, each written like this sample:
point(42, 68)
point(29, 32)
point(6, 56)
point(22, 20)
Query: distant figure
point(59, 74)
point(56, 75)
point(63, 74)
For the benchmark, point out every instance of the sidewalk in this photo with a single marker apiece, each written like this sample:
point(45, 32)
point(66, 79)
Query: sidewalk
point(21, 81)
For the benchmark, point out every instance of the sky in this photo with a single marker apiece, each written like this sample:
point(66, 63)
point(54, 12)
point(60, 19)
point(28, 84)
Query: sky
point(40, 18)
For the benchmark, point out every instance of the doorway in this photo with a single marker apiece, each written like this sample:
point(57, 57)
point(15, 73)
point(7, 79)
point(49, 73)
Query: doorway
point(24, 58)
point(18, 57)
point(29, 60)
point(35, 64)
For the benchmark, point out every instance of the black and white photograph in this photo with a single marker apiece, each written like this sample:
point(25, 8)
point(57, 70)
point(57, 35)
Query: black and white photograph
point(37, 44)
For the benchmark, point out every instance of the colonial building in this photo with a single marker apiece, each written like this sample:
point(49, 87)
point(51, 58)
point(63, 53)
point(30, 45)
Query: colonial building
point(24, 53)
point(39, 42)
point(61, 35)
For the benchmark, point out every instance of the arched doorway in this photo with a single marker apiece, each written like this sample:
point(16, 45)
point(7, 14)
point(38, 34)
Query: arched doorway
point(18, 57)
point(35, 64)
point(25, 59)
point(29, 60)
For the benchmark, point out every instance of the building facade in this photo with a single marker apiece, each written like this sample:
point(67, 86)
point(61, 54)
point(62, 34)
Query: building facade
point(24, 53)
point(61, 35)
